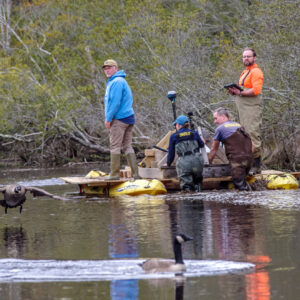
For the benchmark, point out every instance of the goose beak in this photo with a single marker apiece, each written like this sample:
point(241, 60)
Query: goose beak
point(185, 237)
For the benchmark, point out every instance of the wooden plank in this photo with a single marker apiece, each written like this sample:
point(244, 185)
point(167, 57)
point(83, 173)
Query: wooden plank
point(217, 179)
point(220, 157)
point(169, 172)
point(164, 142)
point(109, 183)
point(208, 183)
point(148, 160)
point(163, 160)
point(151, 173)
point(149, 152)
point(210, 171)
point(203, 150)
point(92, 181)
point(296, 174)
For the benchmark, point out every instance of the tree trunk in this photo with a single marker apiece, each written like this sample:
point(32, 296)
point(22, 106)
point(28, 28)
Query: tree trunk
point(5, 11)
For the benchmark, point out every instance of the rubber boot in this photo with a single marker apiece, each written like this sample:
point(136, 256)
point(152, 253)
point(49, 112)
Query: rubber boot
point(198, 187)
point(131, 160)
point(256, 168)
point(240, 185)
point(114, 167)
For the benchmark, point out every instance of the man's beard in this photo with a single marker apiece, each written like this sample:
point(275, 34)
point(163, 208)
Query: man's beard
point(248, 64)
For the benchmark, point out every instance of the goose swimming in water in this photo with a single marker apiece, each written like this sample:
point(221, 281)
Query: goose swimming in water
point(14, 195)
point(158, 265)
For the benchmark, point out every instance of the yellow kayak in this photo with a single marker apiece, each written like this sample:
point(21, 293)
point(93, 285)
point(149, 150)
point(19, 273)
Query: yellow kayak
point(282, 181)
point(132, 188)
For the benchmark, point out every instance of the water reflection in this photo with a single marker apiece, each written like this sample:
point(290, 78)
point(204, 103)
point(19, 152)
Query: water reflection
point(179, 289)
point(258, 283)
point(220, 231)
point(236, 235)
point(14, 241)
point(123, 244)
point(253, 227)
point(228, 232)
point(173, 287)
point(123, 236)
point(124, 289)
point(192, 220)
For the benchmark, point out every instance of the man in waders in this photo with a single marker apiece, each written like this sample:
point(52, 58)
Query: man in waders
point(189, 165)
point(119, 119)
point(238, 147)
point(249, 103)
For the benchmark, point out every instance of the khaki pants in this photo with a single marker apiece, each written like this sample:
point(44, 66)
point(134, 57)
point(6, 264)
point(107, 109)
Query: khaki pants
point(250, 115)
point(120, 137)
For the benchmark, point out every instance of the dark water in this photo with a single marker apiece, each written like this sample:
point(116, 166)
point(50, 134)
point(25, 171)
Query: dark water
point(258, 227)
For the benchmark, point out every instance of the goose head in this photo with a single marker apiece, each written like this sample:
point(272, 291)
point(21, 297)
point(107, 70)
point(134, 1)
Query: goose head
point(181, 238)
point(14, 196)
point(17, 189)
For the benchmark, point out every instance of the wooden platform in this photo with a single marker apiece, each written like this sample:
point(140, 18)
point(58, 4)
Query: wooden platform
point(170, 183)
point(209, 183)
point(93, 181)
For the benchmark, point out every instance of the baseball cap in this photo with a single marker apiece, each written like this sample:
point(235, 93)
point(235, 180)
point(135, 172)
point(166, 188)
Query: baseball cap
point(110, 63)
point(181, 120)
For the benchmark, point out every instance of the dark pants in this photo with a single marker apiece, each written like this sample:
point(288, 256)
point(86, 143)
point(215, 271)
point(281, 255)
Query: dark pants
point(239, 169)
point(189, 170)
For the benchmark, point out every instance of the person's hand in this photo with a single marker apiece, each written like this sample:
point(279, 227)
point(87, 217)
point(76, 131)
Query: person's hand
point(231, 91)
point(107, 124)
point(234, 91)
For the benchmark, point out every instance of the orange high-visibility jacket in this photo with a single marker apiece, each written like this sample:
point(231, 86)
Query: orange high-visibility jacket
point(253, 79)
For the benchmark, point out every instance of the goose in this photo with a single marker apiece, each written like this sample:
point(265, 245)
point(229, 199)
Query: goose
point(14, 195)
point(158, 265)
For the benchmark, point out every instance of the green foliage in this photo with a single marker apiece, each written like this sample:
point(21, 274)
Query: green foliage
point(51, 79)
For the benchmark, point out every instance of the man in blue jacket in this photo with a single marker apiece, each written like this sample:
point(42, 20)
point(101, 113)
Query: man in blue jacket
point(189, 165)
point(119, 119)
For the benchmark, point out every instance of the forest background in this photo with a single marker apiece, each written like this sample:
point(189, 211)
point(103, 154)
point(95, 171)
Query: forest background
point(52, 84)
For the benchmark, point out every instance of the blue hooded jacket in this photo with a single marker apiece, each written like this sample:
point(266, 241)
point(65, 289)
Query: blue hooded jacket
point(118, 98)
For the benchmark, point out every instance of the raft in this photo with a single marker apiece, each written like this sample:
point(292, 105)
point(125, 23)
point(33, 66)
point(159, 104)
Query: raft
point(270, 179)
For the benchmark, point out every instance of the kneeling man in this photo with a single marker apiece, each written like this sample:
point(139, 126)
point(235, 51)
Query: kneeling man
point(238, 147)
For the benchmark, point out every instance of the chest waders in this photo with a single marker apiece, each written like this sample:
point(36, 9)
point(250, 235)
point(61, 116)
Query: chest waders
point(189, 165)
point(238, 148)
point(250, 116)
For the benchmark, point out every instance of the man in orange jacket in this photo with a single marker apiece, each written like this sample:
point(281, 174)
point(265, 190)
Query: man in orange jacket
point(249, 103)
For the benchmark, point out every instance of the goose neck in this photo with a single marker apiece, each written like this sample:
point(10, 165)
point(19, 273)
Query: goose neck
point(177, 252)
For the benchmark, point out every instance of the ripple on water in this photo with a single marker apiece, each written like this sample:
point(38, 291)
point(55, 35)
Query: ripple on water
point(13, 270)
point(42, 182)
point(273, 199)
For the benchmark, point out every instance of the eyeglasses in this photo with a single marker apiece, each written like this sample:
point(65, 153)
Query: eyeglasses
point(248, 56)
